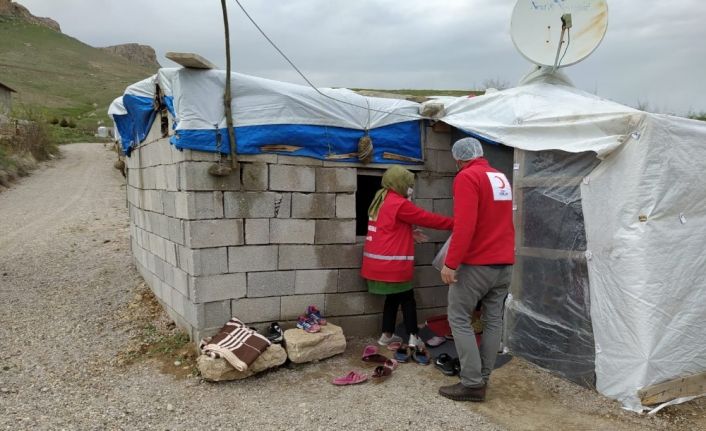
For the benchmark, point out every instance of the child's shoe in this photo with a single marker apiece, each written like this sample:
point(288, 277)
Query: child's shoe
point(314, 314)
point(307, 324)
point(384, 340)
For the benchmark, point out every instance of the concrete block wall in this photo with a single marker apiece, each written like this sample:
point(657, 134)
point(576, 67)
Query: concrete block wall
point(261, 244)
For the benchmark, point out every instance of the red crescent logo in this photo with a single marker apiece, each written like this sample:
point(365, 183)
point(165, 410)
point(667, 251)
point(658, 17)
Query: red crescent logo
point(502, 183)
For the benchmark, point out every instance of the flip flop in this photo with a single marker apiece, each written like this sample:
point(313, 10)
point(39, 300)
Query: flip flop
point(420, 356)
point(435, 341)
point(370, 354)
point(402, 354)
point(352, 378)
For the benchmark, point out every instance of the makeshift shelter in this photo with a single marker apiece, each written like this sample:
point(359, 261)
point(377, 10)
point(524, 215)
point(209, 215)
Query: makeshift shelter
point(609, 288)
point(610, 267)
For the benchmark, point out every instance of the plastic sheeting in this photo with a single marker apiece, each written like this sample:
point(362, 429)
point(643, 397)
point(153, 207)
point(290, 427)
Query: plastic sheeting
point(643, 208)
point(269, 113)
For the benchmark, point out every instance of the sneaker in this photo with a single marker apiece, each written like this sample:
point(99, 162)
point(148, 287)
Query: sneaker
point(458, 392)
point(314, 314)
point(307, 324)
point(416, 342)
point(384, 340)
point(275, 333)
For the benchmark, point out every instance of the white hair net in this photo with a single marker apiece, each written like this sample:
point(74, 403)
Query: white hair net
point(467, 149)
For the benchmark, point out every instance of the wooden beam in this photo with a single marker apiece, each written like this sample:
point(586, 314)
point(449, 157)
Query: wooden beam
point(191, 60)
point(678, 388)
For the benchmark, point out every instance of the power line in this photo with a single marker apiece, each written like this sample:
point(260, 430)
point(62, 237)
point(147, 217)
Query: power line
point(274, 45)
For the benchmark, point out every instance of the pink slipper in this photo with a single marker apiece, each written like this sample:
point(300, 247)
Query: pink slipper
point(395, 345)
point(352, 378)
point(371, 354)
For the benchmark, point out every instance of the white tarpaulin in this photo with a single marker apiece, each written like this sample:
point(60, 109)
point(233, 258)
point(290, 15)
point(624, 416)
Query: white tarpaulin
point(645, 210)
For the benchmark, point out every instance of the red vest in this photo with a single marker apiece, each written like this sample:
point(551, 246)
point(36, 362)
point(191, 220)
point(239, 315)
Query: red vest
point(388, 254)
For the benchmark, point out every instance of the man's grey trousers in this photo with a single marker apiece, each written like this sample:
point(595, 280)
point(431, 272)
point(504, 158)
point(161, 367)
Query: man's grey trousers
point(478, 283)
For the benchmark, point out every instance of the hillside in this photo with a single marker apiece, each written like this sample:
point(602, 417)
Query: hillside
point(58, 76)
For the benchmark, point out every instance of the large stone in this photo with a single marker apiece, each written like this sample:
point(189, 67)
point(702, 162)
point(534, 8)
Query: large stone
point(218, 370)
point(305, 347)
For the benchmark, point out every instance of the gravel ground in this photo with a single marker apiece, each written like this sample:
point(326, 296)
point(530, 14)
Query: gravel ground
point(66, 276)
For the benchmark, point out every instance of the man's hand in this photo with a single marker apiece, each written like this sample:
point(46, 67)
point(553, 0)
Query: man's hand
point(448, 275)
point(419, 236)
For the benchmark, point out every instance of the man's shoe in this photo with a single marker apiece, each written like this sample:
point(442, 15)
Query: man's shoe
point(458, 392)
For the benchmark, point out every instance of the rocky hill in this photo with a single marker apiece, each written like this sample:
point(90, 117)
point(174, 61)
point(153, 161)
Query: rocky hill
point(135, 53)
point(10, 9)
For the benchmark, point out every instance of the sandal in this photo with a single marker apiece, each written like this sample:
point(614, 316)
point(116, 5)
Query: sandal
point(420, 355)
point(435, 341)
point(402, 354)
point(352, 378)
point(370, 354)
point(394, 345)
point(381, 372)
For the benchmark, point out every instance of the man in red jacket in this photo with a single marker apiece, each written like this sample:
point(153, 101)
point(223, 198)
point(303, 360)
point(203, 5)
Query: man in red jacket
point(478, 265)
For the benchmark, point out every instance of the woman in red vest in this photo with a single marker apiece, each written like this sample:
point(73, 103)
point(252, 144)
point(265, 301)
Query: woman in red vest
point(388, 255)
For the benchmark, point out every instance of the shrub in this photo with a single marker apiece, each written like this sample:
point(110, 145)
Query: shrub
point(54, 121)
point(72, 124)
point(64, 123)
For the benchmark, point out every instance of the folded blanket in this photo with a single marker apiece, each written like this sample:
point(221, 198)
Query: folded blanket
point(236, 343)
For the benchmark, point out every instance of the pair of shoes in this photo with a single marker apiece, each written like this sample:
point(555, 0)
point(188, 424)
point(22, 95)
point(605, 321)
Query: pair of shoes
point(384, 340)
point(384, 371)
point(314, 314)
point(307, 324)
point(402, 353)
point(448, 365)
point(371, 354)
point(352, 378)
point(420, 355)
point(459, 392)
point(275, 333)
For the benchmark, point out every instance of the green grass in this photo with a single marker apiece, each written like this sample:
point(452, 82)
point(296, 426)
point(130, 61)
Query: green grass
point(59, 77)
point(698, 116)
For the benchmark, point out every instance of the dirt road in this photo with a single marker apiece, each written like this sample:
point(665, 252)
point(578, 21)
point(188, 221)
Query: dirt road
point(66, 274)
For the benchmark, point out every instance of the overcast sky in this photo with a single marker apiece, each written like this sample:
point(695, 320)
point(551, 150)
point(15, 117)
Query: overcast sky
point(654, 52)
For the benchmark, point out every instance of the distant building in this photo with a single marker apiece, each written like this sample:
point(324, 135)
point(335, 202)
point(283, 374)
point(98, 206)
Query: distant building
point(5, 98)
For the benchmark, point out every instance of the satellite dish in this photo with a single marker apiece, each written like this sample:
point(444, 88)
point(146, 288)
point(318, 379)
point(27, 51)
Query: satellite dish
point(558, 33)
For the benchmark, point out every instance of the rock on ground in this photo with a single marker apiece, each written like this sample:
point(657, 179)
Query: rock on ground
point(218, 370)
point(306, 347)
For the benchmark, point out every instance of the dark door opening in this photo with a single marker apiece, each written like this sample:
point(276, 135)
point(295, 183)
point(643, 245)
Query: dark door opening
point(368, 185)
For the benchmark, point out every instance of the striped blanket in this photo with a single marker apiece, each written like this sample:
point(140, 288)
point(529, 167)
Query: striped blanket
point(236, 343)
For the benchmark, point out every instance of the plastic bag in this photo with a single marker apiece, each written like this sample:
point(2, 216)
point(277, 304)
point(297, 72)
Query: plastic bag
point(440, 258)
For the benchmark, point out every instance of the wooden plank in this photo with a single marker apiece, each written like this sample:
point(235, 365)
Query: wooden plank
point(282, 148)
point(550, 253)
point(342, 156)
point(190, 60)
point(401, 158)
point(678, 388)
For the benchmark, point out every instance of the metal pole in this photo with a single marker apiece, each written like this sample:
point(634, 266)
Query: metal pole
point(227, 97)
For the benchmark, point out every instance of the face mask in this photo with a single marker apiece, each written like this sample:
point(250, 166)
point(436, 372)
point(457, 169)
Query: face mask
point(409, 192)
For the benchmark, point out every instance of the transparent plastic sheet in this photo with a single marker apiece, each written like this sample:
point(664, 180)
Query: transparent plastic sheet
point(548, 316)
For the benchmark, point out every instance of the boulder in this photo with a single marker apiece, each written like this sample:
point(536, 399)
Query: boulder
point(218, 370)
point(305, 347)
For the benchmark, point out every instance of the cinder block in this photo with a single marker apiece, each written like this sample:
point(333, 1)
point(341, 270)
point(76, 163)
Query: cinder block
point(160, 178)
point(170, 253)
point(199, 205)
point(430, 297)
point(179, 302)
point(158, 223)
point(257, 231)
point(320, 256)
point(259, 158)
point(205, 261)
point(424, 253)
point(427, 204)
point(316, 281)
point(336, 180)
point(171, 174)
point(283, 205)
point(181, 281)
point(168, 203)
point(294, 306)
point(444, 162)
point(255, 176)
point(427, 276)
point(272, 283)
point(147, 178)
point(437, 141)
point(335, 231)
point(346, 304)
point(200, 156)
point(313, 205)
point(292, 178)
point(444, 207)
point(153, 201)
point(359, 326)
point(437, 235)
point(249, 204)
point(211, 314)
point(176, 230)
point(433, 187)
point(217, 287)
point(349, 280)
point(213, 233)
point(251, 310)
point(292, 231)
point(252, 258)
point(345, 205)
point(374, 303)
point(195, 176)
point(133, 162)
point(134, 179)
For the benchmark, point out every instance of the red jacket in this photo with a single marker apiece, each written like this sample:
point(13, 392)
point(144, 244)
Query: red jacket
point(483, 233)
point(388, 254)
